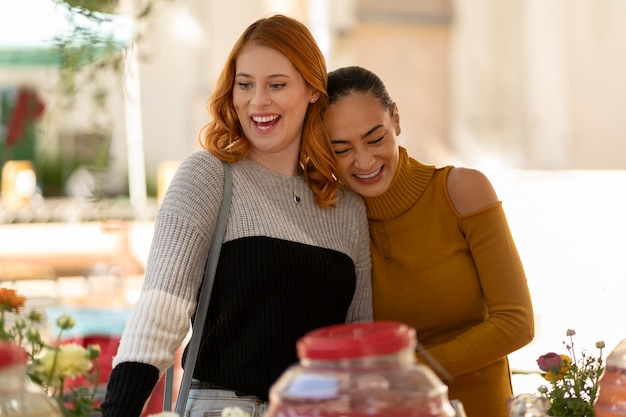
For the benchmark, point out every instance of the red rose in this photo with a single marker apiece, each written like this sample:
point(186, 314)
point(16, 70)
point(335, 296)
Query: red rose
point(549, 360)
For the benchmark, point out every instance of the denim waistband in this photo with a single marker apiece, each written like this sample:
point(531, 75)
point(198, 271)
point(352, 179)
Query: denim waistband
point(196, 384)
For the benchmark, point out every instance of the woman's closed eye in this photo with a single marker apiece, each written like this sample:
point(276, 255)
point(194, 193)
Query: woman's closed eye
point(340, 148)
point(341, 151)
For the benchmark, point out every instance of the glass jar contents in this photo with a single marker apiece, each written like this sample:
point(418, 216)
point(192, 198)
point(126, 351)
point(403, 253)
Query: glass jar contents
point(359, 370)
point(528, 405)
point(611, 400)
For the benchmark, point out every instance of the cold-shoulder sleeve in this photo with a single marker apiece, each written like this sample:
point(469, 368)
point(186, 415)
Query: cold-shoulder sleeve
point(510, 321)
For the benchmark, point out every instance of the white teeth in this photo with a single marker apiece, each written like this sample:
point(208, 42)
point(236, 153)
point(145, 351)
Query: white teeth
point(264, 119)
point(368, 176)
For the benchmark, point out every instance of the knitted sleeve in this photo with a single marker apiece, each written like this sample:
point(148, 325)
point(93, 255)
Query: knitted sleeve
point(130, 385)
point(161, 316)
point(510, 321)
point(361, 307)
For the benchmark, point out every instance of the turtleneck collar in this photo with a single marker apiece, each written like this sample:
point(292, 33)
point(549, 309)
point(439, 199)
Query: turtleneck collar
point(406, 188)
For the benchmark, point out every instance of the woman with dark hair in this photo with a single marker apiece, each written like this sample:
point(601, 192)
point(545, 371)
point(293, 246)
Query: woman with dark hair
point(296, 251)
point(443, 257)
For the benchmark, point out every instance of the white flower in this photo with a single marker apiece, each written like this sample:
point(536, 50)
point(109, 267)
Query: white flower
point(67, 361)
point(234, 412)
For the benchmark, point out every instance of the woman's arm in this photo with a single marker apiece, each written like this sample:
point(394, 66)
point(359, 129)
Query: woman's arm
point(510, 321)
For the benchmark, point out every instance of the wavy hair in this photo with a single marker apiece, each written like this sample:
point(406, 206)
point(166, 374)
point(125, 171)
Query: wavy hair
point(223, 135)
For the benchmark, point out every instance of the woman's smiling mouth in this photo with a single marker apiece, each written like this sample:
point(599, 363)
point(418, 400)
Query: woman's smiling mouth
point(265, 122)
point(369, 176)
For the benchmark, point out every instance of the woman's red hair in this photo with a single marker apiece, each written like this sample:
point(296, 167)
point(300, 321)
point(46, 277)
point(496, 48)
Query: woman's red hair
point(223, 136)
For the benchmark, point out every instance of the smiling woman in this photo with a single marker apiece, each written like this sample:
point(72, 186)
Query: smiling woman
point(287, 224)
point(443, 258)
point(270, 98)
point(367, 161)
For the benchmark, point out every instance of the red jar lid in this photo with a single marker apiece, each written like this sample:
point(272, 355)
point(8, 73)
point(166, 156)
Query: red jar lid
point(11, 354)
point(356, 340)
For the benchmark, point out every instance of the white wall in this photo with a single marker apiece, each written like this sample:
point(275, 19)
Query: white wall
point(540, 83)
point(188, 44)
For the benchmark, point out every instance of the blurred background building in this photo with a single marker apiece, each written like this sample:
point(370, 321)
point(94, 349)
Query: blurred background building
point(532, 92)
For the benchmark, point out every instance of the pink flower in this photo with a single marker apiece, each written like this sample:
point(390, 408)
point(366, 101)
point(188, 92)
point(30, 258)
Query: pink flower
point(549, 360)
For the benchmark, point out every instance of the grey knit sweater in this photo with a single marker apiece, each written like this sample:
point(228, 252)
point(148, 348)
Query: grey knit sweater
point(285, 268)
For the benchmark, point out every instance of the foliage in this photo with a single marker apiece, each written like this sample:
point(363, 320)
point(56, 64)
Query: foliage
point(85, 44)
point(52, 366)
point(92, 62)
point(573, 382)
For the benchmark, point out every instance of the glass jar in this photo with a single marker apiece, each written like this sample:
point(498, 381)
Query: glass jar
point(611, 401)
point(17, 397)
point(358, 370)
point(528, 405)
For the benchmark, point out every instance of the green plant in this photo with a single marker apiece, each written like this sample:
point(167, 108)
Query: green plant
point(52, 366)
point(91, 61)
point(88, 53)
point(573, 381)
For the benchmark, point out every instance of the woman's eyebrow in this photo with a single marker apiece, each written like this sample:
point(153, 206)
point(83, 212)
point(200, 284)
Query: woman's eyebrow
point(363, 136)
point(372, 130)
point(279, 75)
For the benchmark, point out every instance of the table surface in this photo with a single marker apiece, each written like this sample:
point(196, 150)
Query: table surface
point(53, 250)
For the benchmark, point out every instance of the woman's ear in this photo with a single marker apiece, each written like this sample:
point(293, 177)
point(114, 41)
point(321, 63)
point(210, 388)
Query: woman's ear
point(396, 119)
point(314, 96)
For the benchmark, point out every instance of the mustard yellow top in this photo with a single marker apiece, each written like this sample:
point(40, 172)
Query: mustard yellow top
point(457, 279)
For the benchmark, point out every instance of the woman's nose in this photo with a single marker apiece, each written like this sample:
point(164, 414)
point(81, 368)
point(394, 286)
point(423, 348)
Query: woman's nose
point(363, 160)
point(259, 97)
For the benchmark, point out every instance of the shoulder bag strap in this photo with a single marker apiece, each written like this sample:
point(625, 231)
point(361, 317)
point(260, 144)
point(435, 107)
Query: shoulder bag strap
point(203, 303)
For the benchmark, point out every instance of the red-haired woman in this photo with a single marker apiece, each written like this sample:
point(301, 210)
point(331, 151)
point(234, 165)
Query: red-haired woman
point(296, 251)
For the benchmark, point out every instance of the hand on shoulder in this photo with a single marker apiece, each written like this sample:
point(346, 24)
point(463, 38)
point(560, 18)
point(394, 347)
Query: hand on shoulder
point(470, 190)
